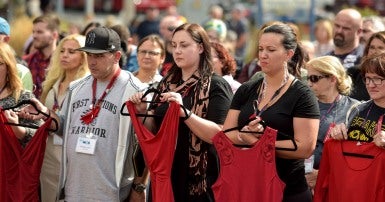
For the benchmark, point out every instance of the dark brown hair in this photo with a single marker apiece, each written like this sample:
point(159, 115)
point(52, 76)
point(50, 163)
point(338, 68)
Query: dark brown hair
point(378, 35)
point(374, 64)
point(52, 20)
point(199, 35)
point(289, 42)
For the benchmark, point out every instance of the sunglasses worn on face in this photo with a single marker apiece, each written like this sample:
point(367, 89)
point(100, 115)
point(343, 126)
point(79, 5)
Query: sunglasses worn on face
point(316, 78)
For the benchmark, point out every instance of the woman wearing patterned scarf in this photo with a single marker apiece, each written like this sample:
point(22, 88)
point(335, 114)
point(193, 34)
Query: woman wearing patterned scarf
point(207, 97)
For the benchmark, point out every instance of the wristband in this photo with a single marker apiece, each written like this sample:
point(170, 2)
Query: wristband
point(138, 187)
point(188, 115)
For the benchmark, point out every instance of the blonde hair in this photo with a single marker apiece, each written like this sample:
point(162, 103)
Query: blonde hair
point(327, 25)
point(330, 65)
point(15, 83)
point(55, 71)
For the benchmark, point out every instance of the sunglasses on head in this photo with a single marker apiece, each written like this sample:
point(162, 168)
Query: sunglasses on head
point(316, 78)
point(171, 28)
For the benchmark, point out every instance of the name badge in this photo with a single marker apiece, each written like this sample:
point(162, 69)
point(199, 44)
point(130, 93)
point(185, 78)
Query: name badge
point(86, 144)
point(57, 140)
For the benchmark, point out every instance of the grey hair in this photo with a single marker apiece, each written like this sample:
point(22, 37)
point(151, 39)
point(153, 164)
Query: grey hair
point(378, 25)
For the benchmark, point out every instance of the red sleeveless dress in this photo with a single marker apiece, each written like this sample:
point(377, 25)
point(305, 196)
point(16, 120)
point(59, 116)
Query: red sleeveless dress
point(247, 174)
point(20, 167)
point(350, 178)
point(158, 150)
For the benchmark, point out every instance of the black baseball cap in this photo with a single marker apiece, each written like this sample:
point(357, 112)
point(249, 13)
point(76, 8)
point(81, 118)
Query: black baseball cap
point(101, 40)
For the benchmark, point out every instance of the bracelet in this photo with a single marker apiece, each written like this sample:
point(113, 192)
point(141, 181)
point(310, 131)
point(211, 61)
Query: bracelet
point(138, 187)
point(240, 138)
point(188, 115)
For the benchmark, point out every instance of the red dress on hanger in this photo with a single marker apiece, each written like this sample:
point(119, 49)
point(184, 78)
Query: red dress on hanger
point(248, 174)
point(350, 178)
point(20, 167)
point(158, 150)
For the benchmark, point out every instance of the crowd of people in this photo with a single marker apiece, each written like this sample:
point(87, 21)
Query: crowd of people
point(239, 135)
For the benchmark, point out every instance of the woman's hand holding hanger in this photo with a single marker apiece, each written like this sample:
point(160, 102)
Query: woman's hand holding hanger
point(338, 132)
point(379, 139)
point(137, 99)
point(13, 118)
point(252, 132)
point(174, 97)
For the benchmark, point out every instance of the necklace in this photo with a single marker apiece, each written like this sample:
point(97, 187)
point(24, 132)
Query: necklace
point(95, 106)
point(263, 91)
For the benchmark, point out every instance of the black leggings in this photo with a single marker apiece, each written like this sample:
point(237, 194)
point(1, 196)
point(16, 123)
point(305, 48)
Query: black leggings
point(305, 196)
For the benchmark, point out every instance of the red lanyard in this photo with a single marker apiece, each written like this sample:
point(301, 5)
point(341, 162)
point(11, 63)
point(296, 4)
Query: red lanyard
point(56, 105)
point(379, 123)
point(95, 107)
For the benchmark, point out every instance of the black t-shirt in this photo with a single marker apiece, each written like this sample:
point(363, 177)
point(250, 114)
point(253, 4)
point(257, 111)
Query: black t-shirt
point(297, 101)
point(220, 96)
point(351, 59)
point(363, 121)
point(359, 91)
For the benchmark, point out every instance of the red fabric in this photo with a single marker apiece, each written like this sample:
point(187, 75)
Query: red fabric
point(158, 150)
point(166, 67)
point(20, 168)
point(348, 178)
point(248, 174)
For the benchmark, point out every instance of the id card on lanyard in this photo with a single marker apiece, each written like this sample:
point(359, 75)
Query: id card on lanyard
point(86, 143)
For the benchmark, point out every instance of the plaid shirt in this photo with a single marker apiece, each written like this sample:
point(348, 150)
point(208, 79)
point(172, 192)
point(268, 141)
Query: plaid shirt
point(38, 65)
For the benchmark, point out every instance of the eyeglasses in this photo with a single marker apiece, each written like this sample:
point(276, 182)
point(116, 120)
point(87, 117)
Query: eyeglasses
point(151, 53)
point(376, 81)
point(316, 78)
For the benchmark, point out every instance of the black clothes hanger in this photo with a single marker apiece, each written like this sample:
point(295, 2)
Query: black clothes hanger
point(150, 90)
point(287, 137)
point(359, 155)
point(365, 156)
point(363, 137)
point(29, 102)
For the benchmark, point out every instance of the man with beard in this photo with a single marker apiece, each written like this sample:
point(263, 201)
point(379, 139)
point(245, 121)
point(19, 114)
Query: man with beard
point(346, 37)
point(45, 33)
